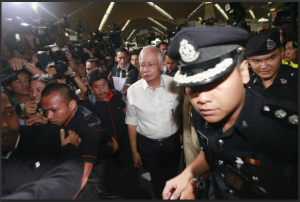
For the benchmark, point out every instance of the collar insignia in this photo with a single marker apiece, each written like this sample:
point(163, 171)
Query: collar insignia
point(283, 81)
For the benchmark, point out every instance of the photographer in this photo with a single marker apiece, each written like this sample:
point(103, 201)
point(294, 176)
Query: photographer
point(70, 78)
point(287, 21)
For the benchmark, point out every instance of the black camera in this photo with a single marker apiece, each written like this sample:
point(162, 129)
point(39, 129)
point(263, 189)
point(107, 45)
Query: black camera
point(61, 68)
point(7, 72)
point(287, 15)
point(75, 49)
point(237, 15)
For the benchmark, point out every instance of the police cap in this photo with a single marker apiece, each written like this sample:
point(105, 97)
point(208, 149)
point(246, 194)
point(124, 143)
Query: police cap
point(263, 43)
point(206, 54)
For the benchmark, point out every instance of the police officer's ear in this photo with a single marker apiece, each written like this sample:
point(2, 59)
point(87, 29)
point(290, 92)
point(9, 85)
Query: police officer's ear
point(72, 104)
point(244, 71)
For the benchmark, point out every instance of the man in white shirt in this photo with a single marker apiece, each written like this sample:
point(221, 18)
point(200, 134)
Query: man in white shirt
point(152, 118)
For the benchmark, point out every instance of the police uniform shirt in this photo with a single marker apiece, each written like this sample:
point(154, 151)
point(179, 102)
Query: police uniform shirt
point(88, 127)
point(255, 158)
point(285, 84)
point(129, 72)
point(155, 112)
point(39, 150)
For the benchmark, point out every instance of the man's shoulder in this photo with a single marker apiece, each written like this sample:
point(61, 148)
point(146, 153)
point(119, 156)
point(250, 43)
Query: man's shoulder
point(135, 85)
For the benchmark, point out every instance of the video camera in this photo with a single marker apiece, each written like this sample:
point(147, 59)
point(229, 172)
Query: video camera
point(208, 22)
point(114, 34)
point(287, 15)
point(237, 15)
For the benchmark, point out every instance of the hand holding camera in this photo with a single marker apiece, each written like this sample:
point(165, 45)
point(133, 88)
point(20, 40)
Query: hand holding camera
point(51, 70)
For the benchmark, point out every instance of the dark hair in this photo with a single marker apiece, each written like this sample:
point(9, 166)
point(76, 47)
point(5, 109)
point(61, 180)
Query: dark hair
point(162, 43)
point(134, 53)
point(123, 50)
point(63, 90)
point(45, 78)
point(96, 75)
point(91, 60)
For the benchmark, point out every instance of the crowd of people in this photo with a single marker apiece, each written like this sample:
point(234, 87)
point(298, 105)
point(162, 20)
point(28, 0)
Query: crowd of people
point(91, 127)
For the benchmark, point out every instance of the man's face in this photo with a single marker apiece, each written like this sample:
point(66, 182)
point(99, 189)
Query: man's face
point(56, 109)
point(150, 68)
point(135, 61)
point(36, 88)
point(163, 48)
point(216, 102)
point(122, 59)
point(9, 125)
point(291, 53)
point(21, 85)
point(171, 64)
point(100, 89)
point(266, 66)
point(90, 66)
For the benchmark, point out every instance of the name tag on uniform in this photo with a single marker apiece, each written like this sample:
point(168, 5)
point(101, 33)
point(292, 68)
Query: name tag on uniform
point(203, 138)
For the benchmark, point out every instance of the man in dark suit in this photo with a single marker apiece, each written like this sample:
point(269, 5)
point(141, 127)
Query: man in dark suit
point(124, 70)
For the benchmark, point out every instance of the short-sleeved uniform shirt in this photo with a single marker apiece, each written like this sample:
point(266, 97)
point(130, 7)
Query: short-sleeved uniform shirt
point(285, 84)
point(255, 155)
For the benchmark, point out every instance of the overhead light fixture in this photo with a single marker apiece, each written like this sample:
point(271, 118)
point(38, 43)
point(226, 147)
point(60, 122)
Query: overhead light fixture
point(158, 30)
point(106, 15)
point(207, 2)
point(263, 20)
point(160, 10)
point(271, 6)
point(34, 6)
point(130, 34)
point(17, 3)
point(192, 13)
point(252, 14)
point(126, 24)
point(221, 11)
point(157, 23)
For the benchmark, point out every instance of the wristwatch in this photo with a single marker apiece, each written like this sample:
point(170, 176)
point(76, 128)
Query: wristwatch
point(24, 64)
point(73, 75)
point(199, 182)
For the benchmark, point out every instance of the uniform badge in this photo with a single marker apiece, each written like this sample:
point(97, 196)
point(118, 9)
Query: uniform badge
point(280, 114)
point(293, 119)
point(187, 51)
point(245, 125)
point(270, 44)
point(127, 74)
point(205, 139)
point(283, 81)
point(37, 164)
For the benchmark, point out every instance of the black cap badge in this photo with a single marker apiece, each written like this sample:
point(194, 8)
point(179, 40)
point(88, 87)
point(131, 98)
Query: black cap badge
point(187, 51)
point(270, 44)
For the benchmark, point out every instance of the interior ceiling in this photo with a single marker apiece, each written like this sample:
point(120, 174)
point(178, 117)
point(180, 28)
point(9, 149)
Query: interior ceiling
point(91, 13)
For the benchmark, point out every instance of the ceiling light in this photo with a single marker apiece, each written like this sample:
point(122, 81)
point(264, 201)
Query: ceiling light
point(207, 2)
point(126, 24)
point(158, 30)
point(221, 11)
point(160, 10)
point(195, 11)
point(107, 13)
point(252, 14)
point(263, 20)
point(130, 34)
point(157, 23)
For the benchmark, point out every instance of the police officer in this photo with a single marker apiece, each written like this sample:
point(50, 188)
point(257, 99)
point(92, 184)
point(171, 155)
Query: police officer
point(270, 77)
point(248, 155)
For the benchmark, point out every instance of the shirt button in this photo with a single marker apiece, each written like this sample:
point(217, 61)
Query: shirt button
point(231, 191)
point(220, 162)
point(221, 143)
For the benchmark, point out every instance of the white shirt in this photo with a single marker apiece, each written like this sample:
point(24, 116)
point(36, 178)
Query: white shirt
point(154, 112)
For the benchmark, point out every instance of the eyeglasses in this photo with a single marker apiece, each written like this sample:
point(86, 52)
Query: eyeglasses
point(150, 66)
